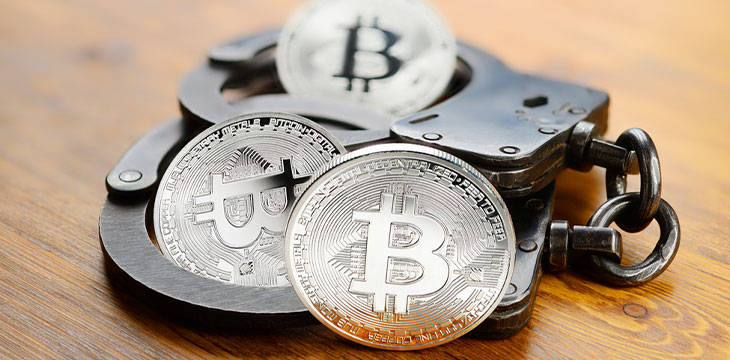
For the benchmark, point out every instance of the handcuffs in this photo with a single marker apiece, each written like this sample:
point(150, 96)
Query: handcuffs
point(529, 128)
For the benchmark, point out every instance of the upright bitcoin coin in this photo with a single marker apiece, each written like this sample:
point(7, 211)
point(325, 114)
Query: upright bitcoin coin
point(222, 205)
point(395, 55)
point(400, 247)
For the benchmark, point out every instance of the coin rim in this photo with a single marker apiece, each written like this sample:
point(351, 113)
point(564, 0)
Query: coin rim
point(205, 133)
point(428, 154)
point(295, 87)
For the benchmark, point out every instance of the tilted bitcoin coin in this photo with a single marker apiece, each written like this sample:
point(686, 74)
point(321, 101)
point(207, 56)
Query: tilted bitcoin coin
point(400, 246)
point(395, 55)
point(222, 205)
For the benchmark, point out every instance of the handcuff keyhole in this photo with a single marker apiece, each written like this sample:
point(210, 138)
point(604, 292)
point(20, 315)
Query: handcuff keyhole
point(535, 101)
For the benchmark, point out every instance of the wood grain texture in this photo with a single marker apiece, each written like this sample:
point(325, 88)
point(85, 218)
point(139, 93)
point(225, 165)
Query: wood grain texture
point(80, 80)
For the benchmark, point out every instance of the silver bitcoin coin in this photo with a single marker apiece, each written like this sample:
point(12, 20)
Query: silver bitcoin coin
point(400, 247)
point(395, 55)
point(222, 205)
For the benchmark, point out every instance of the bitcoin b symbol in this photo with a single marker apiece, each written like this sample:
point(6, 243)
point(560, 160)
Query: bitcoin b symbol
point(351, 49)
point(399, 258)
point(243, 208)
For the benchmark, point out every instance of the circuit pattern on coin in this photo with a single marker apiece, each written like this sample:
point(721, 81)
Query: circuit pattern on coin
point(400, 246)
point(222, 205)
point(395, 55)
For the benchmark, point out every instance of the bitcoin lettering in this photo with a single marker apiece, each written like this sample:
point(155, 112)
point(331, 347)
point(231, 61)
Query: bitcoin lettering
point(396, 56)
point(222, 205)
point(400, 246)
point(386, 250)
point(348, 70)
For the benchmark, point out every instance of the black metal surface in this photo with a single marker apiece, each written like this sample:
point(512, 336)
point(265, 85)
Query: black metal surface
point(530, 217)
point(519, 148)
point(241, 50)
point(610, 270)
point(642, 213)
point(488, 124)
point(611, 156)
point(136, 173)
point(557, 246)
point(596, 240)
point(130, 251)
point(585, 149)
point(580, 139)
point(570, 246)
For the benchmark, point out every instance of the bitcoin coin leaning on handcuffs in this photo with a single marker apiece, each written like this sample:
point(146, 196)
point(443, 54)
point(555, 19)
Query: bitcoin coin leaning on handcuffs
point(222, 205)
point(397, 56)
point(400, 246)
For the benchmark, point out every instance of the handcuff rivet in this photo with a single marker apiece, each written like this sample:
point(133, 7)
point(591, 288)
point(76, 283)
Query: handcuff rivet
point(577, 110)
point(509, 149)
point(130, 176)
point(547, 130)
point(528, 246)
point(535, 101)
point(432, 136)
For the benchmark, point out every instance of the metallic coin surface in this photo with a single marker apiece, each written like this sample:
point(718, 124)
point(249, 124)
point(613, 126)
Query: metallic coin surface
point(395, 55)
point(222, 205)
point(400, 247)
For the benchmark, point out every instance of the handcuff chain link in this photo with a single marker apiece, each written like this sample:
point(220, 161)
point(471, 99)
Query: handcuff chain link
point(632, 211)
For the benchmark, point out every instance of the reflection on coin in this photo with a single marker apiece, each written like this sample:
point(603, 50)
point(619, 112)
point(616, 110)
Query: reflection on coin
point(395, 55)
point(400, 247)
point(222, 205)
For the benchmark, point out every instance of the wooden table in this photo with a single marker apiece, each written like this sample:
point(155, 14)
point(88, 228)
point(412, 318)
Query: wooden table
point(81, 80)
